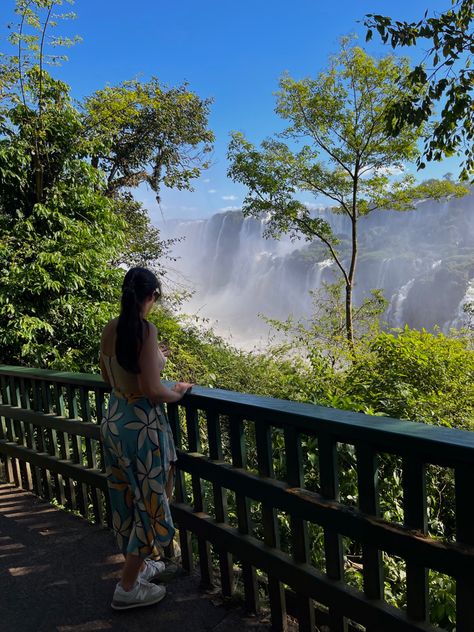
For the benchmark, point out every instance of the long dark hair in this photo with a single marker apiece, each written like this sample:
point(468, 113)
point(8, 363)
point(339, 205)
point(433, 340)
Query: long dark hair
point(138, 285)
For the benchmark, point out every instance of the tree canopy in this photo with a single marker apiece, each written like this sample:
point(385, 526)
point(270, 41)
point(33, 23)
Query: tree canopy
point(336, 146)
point(68, 220)
point(443, 76)
point(146, 132)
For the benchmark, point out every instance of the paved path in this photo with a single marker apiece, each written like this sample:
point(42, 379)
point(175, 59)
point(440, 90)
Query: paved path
point(58, 572)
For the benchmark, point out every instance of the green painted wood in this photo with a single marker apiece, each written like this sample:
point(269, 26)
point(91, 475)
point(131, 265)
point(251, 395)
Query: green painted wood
point(7, 461)
point(19, 432)
point(415, 443)
point(51, 420)
point(226, 566)
point(464, 477)
point(416, 517)
point(194, 445)
point(38, 406)
point(367, 485)
point(33, 473)
point(329, 482)
point(80, 495)
point(13, 470)
point(52, 441)
point(65, 451)
point(299, 528)
point(447, 558)
point(180, 488)
point(77, 379)
point(303, 578)
point(44, 460)
point(90, 448)
point(271, 533)
point(239, 459)
point(431, 444)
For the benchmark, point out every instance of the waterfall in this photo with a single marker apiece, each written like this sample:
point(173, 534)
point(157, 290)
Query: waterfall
point(460, 319)
point(422, 260)
point(395, 309)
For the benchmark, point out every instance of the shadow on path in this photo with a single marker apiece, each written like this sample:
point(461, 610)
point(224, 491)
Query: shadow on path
point(58, 573)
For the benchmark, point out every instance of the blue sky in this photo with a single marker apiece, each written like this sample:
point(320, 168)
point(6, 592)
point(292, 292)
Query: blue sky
point(234, 52)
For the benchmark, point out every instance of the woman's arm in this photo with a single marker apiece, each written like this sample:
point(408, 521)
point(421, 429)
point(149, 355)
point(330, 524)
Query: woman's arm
point(149, 378)
point(103, 369)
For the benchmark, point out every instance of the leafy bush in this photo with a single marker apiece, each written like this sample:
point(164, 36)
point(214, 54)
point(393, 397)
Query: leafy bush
point(416, 375)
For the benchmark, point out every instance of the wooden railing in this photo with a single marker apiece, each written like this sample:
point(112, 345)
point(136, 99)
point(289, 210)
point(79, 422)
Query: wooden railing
point(257, 496)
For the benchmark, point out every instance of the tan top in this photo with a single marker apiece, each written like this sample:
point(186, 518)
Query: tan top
point(119, 378)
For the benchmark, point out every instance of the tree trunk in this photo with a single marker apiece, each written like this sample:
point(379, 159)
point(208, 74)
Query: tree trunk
point(349, 324)
point(352, 268)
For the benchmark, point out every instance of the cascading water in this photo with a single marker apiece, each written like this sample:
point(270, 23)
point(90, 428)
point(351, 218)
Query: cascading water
point(423, 260)
point(461, 319)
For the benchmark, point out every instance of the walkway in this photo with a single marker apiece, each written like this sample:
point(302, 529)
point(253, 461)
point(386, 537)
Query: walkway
point(58, 572)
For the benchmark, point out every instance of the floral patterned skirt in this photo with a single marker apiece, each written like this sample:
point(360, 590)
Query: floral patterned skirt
point(139, 452)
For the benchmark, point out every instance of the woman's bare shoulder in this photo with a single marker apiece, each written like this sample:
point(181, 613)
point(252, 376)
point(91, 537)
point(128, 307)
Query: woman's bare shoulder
point(109, 330)
point(150, 332)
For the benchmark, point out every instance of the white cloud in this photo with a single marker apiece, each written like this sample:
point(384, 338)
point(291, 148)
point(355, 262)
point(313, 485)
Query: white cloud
point(212, 191)
point(231, 198)
point(207, 180)
point(314, 207)
point(393, 170)
point(229, 208)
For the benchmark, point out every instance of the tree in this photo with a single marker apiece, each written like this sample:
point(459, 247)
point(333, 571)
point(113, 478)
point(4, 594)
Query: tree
point(65, 224)
point(143, 245)
point(443, 75)
point(58, 236)
point(145, 132)
point(346, 156)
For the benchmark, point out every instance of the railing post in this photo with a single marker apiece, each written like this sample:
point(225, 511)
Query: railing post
point(180, 488)
point(34, 474)
point(13, 467)
point(81, 490)
point(367, 475)
point(239, 459)
point(220, 502)
point(271, 533)
point(415, 517)
point(194, 445)
point(329, 481)
point(299, 529)
point(464, 477)
point(40, 441)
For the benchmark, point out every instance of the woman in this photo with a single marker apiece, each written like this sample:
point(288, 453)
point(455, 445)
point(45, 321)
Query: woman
point(138, 443)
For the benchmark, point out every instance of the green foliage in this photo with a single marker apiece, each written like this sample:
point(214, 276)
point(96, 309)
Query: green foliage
point(201, 357)
point(66, 223)
point(142, 245)
point(57, 286)
point(321, 339)
point(417, 375)
point(444, 75)
point(146, 132)
point(338, 147)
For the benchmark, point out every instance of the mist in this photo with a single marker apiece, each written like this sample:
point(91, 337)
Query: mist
point(422, 260)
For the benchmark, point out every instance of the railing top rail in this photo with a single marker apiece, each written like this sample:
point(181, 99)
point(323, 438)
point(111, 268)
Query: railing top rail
point(79, 379)
point(445, 445)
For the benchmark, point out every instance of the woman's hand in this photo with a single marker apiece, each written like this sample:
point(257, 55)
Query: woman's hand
point(164, 348)
point(182, 388)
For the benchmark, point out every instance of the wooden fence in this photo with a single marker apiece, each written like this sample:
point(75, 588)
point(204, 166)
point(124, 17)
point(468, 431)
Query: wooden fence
point(258, 501)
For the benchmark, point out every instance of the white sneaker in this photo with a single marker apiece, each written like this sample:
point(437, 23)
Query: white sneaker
point(152, 569)
point(157, 569)
point(142, 594)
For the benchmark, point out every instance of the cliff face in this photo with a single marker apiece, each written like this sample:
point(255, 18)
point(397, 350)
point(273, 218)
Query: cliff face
point(422, 259)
